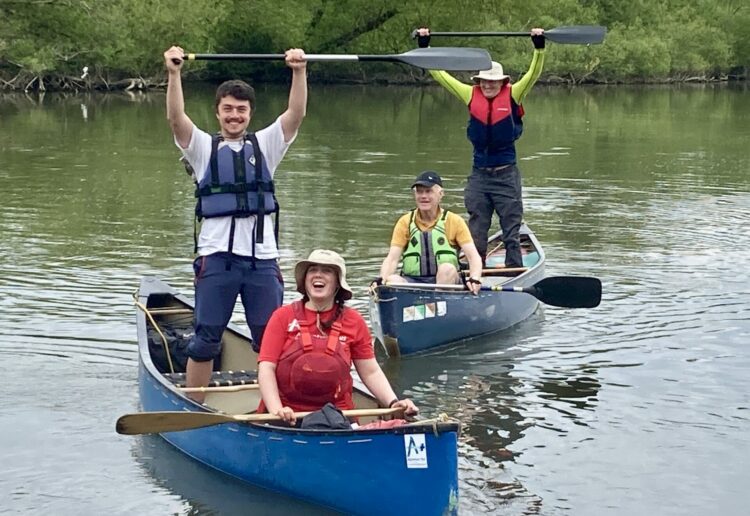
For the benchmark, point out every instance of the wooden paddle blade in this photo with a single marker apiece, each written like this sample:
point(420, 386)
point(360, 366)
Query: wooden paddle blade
point(577, 34)
point(452, 59)
point(568, 291)
point(158, 422)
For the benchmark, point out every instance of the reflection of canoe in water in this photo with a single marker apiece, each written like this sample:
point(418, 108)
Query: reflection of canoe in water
point(202, 491)
point(409, 319)
point(411, 467)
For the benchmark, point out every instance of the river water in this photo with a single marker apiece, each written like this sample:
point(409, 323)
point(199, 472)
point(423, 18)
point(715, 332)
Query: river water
point(641, 405)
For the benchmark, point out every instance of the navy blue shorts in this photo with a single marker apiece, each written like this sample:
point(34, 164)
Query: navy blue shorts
point(219, 279)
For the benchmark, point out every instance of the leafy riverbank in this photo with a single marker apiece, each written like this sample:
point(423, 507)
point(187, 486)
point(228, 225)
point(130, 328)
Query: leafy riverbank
point(47, 44)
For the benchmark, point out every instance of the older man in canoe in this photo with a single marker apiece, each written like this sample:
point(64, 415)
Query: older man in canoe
point(427, 239)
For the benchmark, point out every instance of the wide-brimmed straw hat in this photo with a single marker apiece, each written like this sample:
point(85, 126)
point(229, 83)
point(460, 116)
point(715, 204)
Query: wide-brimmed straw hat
point(493, 74)
point(322, 257)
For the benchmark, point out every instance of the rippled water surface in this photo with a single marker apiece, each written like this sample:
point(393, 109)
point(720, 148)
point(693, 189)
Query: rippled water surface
point(641, 405)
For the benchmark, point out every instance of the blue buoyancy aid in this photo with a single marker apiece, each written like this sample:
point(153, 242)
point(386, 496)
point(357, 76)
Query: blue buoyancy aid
point(426, 250)
point(236, 184)
point(494, 126)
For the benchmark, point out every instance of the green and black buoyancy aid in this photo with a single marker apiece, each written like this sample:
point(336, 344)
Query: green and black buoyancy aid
point(426, 250)
point(237, 184)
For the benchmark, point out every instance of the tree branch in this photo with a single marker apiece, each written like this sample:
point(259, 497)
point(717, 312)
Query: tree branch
point(342, 39)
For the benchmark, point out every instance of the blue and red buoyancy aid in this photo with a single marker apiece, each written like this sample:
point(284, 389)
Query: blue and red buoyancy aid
point(494, 126)
point(314, 369)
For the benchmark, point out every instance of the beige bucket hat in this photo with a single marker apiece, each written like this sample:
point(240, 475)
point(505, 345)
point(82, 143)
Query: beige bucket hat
point(493, 74)
point(322, 257)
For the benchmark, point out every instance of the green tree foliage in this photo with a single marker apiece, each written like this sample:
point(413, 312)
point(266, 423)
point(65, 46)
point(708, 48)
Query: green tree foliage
point(648, 40)
point(113, 38)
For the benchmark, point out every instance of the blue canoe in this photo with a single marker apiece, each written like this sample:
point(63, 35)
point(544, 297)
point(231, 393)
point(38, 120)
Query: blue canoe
point(412, 468)
point(408, 319)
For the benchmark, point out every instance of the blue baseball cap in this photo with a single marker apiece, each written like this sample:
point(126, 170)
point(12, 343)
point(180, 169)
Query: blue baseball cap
point(428, 178)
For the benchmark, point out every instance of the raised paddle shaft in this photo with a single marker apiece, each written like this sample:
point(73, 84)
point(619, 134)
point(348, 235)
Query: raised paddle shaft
point(159, 422)
point(440, 58)
point(563, 291)
point(571, 35)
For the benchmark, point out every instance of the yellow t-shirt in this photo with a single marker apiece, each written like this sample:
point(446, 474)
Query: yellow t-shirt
point(456, 229)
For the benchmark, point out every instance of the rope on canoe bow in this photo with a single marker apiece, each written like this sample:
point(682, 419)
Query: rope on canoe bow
point(433, 422)
point(156, 327)
point(376, 296)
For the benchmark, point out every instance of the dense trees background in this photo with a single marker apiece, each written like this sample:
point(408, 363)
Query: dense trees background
point(47, 43)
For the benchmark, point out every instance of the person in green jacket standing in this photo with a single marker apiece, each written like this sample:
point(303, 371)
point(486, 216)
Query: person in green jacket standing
point(495, 123)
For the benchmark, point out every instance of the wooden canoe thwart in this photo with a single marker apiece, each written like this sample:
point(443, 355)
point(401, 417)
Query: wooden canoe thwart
point(504, 271)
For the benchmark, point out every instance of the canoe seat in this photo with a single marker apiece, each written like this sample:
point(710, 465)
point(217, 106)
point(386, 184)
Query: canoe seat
point(219, 378)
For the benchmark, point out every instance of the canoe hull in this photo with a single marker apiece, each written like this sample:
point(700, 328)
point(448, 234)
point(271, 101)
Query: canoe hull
point(380, 468)
point(413, 320)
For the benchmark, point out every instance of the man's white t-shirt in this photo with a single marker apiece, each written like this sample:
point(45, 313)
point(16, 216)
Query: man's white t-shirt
point(214, 234)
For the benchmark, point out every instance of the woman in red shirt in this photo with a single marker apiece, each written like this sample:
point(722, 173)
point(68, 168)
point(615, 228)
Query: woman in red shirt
point(309, 346)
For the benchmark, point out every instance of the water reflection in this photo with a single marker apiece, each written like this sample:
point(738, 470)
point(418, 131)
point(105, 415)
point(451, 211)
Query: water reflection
point(205, 491)
point(570, 412)
point(483, 382)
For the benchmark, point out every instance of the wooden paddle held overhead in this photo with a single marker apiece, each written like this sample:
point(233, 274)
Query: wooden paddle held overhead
point(571, 35)
point(440, 58)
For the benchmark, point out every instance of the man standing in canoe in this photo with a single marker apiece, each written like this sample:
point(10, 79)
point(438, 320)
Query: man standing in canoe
point(233, 170)
point(427, 240)
point(495, 123)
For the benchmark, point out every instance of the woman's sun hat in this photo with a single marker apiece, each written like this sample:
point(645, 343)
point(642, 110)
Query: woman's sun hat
point(322, 257)
point(493, 74)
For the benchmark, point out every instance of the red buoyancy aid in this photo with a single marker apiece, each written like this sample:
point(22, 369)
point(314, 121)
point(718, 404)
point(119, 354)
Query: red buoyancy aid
point(494, 126)
point(313, 370)
point(491, 111)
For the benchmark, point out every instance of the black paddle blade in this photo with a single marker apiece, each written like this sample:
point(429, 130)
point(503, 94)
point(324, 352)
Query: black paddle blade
point(568, 291)
point(451, 59)
point(577, 34)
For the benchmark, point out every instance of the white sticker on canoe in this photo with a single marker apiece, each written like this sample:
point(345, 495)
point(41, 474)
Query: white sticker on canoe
point(421, 312)
point(416, 451)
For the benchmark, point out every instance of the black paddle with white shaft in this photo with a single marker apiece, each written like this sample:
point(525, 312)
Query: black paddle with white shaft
point(440, 58)
point(563, 291)
point(571, 35)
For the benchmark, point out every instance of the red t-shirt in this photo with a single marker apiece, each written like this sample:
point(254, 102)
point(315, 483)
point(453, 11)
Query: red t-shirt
point(356, 345)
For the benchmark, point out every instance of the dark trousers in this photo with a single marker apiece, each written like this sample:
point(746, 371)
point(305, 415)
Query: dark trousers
point(496, 191)
point(219, 279)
